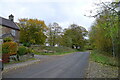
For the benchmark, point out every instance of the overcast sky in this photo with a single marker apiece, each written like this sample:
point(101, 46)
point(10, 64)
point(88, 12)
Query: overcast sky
point(64, 12)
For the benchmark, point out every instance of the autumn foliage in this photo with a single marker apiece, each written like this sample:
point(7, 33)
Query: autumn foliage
point(32, 31)
point(9, 48)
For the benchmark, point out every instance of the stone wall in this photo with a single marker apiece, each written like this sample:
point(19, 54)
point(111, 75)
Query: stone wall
point(6, 30)
point(21, 58)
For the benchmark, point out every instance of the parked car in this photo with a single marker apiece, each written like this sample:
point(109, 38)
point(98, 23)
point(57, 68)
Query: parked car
point(1, 64)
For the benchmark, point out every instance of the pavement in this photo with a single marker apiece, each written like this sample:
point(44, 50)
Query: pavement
point(38, 58)
point(66, 66)
point(18, 65)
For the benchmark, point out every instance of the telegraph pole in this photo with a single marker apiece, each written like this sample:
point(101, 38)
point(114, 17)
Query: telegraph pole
point(118, 50)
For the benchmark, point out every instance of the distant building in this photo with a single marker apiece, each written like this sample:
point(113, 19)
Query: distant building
point(8, 28)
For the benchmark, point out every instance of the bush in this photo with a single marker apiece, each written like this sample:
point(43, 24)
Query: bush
point(27, 44)
point(29, 50)
point(9, 48)
point(22, 50)
point(7, 39)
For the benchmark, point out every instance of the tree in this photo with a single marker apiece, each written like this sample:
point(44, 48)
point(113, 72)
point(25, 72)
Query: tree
point(32, 31)
point(74, 36)
point(106, 27)
point(54, 31)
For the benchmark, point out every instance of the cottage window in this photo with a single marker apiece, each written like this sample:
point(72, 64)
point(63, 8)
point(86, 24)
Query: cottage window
point(13, 32)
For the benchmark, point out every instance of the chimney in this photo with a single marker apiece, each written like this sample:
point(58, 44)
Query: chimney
point(11, 17)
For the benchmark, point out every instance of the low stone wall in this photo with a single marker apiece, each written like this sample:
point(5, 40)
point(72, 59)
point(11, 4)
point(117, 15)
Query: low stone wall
point(25, 57)
point(21, 58)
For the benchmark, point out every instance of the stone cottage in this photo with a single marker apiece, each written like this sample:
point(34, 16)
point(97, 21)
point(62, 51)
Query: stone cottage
point(8, 28)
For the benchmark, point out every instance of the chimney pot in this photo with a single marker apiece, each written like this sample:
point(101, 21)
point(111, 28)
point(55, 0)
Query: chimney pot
point(11, 17)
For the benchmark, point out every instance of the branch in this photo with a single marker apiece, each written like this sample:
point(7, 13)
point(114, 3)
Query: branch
point(109, 7)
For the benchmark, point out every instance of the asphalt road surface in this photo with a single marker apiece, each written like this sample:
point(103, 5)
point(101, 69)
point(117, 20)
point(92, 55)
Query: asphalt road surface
point(68, 66)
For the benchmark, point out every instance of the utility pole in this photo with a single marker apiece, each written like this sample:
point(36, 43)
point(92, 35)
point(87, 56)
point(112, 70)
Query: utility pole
point(118, 45)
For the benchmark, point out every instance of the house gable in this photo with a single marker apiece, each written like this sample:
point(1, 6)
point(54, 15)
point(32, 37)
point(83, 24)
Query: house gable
point(9, 29)
point(8, 23)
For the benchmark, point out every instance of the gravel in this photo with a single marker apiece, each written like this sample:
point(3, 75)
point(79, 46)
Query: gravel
point(98, 70)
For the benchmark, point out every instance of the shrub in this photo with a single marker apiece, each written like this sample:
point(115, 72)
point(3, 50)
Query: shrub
point(9, 48)
point(7, 39)
point(27, 44)
point(29, 50)
point(22, 50)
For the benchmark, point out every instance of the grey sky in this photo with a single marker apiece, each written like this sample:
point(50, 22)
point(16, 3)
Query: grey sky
point(64, 12)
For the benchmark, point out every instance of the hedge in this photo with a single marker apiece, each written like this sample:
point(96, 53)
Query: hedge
point(22, 50)
point(9, 48)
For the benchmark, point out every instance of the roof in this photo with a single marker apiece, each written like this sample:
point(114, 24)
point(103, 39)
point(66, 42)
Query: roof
point(8, 23)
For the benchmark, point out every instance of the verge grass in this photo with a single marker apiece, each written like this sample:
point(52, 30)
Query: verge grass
point(104, 59)
point(55, 50)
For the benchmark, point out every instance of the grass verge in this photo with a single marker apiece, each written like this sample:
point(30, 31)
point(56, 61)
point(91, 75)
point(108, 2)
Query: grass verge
point(105, 60)
point(55, 50)
point(58, 53)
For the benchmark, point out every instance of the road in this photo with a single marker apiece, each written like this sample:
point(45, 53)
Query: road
point(68, 66)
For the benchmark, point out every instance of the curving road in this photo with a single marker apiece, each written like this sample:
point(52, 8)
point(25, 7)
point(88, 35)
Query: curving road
point(68, 66)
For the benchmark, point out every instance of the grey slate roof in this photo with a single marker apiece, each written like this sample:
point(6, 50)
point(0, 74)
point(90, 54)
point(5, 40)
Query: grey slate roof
point(8, 23)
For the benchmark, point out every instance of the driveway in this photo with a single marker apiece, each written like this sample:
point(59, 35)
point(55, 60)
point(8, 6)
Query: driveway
point(67, 66)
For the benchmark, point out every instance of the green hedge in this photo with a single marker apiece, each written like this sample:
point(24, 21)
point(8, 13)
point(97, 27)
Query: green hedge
point(27, 44)
point(22, 50)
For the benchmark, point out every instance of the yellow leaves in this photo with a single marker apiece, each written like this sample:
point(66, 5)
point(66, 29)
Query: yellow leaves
point(23, 20)
point(32, 31)
point(36, 22)
point(9, 47)
point(32, 41)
